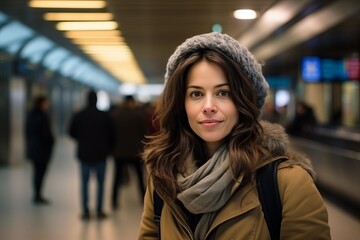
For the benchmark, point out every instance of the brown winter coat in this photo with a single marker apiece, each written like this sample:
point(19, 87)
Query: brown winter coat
point(241, 218)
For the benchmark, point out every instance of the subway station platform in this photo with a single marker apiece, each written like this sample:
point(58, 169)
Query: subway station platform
point(20, 219)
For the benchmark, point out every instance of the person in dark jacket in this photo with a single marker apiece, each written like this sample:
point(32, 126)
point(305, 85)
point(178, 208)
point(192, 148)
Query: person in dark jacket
point(130, 127)
point(304, 120)
point(93, 131)
point(39, 145)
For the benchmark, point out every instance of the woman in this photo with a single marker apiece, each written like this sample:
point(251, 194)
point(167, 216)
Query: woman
point(203, 160)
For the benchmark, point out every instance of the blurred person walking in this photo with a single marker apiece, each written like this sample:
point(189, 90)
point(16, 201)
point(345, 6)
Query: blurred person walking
point(270, 113)
point(304, 120)
point(39, 145)
point(130, 127)
point(93, 131)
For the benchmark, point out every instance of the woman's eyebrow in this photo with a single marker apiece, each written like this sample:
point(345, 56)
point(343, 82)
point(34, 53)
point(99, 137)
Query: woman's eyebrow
point(221, 85)
point(194, 86)
point(216, 86)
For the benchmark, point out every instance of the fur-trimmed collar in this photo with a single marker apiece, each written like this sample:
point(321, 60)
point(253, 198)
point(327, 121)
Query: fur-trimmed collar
point(277, 142)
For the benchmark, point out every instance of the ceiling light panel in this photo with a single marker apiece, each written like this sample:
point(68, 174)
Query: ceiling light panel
point(102, 25)
point(98, 41)
point(67, 4)
point(93, 34)
point(78, 16)
point(120, 49)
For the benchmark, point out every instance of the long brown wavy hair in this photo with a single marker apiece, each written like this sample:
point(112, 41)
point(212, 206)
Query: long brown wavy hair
point(166, 151)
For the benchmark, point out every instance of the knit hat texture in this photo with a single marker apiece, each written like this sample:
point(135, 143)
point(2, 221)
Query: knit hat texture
point(231, 48)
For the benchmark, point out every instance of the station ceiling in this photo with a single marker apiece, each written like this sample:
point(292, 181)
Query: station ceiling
point(153, 29)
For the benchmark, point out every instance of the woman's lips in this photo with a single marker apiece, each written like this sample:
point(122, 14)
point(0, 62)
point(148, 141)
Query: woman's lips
point(210, 123)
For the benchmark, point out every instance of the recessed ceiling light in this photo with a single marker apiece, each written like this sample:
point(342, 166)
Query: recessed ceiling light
point(245, 14)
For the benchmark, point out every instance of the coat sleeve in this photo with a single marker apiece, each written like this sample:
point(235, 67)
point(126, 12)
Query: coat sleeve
point(304, 212)
point(148, 227)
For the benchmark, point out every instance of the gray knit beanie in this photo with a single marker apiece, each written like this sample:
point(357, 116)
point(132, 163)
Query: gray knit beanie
point(231, 48)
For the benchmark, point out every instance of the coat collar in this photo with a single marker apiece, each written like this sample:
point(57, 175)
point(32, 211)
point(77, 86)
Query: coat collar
point(276, 141)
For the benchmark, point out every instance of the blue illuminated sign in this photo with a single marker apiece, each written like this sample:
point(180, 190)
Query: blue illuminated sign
point(311, 69)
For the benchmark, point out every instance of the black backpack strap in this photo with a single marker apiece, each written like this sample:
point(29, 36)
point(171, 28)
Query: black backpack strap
point(158, 205)
point(266, 180)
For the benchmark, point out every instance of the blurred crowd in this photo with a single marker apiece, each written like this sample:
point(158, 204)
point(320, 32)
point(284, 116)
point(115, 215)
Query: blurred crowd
point(117, 134)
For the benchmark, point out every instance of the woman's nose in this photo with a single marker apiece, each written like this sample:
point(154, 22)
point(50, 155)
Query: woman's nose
point(209, 106)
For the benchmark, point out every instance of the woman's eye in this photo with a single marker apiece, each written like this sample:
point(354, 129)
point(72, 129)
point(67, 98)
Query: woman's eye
point(224, 93)
point(195, 94)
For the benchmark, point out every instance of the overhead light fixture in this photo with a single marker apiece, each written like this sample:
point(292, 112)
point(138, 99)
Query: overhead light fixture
point(98, 41)
point(96, 35)
point(66, 4)
point(245, 14)
point(108, 49)
point(113, 58)
point(104, 25)
point(272, 19)
point(305, 29)
point(128, 72)
point(93, 34)
point(77, 16)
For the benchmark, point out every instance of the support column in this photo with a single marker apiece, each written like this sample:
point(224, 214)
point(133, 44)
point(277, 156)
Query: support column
point(5, 73)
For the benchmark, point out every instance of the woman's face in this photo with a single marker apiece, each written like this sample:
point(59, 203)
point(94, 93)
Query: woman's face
point(210, 109)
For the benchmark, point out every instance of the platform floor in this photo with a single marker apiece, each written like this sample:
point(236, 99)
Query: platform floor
point(21, 220)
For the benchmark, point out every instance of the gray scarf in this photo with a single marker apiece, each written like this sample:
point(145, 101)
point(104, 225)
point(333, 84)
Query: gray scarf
point(206, 189)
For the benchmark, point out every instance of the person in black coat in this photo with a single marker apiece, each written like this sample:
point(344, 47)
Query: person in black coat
point(39, 145)
point(130, 129)
point(93, 131)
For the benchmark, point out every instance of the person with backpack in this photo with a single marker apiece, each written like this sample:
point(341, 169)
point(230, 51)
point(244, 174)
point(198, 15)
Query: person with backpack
point(207, 159)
